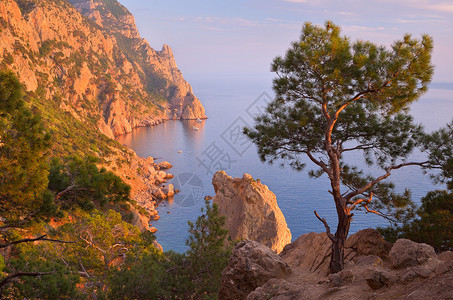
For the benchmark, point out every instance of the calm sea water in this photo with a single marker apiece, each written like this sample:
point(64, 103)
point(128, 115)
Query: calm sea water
point(218, 144)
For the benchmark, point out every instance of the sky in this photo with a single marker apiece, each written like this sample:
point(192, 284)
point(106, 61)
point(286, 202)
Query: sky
point(240, 38)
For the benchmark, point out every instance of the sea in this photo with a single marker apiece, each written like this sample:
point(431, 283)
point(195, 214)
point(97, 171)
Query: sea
point(198, 150)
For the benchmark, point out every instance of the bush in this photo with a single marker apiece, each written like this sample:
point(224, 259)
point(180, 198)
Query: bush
point(78, 182)
point(433, 226)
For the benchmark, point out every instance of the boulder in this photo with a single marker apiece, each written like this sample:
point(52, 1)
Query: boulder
point(151, 170)
point(251, 211)
point(159, 193)
point(250, 266)
point(168, 190)
point(162, 175)
point(310, 252)
point(406, 253)
point(154, 217)
point(164, 165)
point(367, 242)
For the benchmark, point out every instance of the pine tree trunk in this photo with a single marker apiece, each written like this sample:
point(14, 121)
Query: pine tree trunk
point(337, 256)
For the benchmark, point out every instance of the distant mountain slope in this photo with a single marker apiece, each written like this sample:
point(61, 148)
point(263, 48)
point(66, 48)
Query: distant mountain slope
point(94, 66)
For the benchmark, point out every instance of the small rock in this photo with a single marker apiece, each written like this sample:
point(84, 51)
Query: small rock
point(151, 170)
point(153, 229)
point(159, 194)
point(169, 176)
point(347, 276)
point(377, 278)
point(168, 190)
point(164, 165)
point(162, 174)
point(445, 256)
point(335, 280)
point(154, 217)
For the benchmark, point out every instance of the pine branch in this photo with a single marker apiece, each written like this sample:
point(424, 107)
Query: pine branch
point(9, 278)
point(329, 234)
point(370, 184)
point(41, 238)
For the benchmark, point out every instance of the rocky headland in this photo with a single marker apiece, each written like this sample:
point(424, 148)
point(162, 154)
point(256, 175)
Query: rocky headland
point(90, 60)
point(251, 211)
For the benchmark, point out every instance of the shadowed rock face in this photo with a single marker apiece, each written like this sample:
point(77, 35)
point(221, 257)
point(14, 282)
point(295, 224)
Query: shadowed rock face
point(89, 59)
point(251, 211)
point(157, 66)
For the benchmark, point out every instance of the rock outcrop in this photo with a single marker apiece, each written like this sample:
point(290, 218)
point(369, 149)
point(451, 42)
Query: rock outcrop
point(374, 269)
point(250, 266)
point(251, 211)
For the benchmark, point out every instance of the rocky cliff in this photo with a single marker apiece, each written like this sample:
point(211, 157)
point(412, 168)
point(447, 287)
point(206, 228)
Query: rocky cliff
point(86, 58)
point(251, 211)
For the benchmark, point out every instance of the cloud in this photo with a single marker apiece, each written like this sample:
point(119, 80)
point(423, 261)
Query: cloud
point(421, 21)
point(347, 13)
point(443, 7)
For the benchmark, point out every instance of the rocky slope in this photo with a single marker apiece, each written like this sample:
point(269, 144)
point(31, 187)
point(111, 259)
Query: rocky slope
point(251, 211)
point(374, 269)
point(94, 66)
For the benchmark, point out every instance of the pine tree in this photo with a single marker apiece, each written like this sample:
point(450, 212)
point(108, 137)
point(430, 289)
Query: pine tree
point(24, 147)
point(335, 97)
